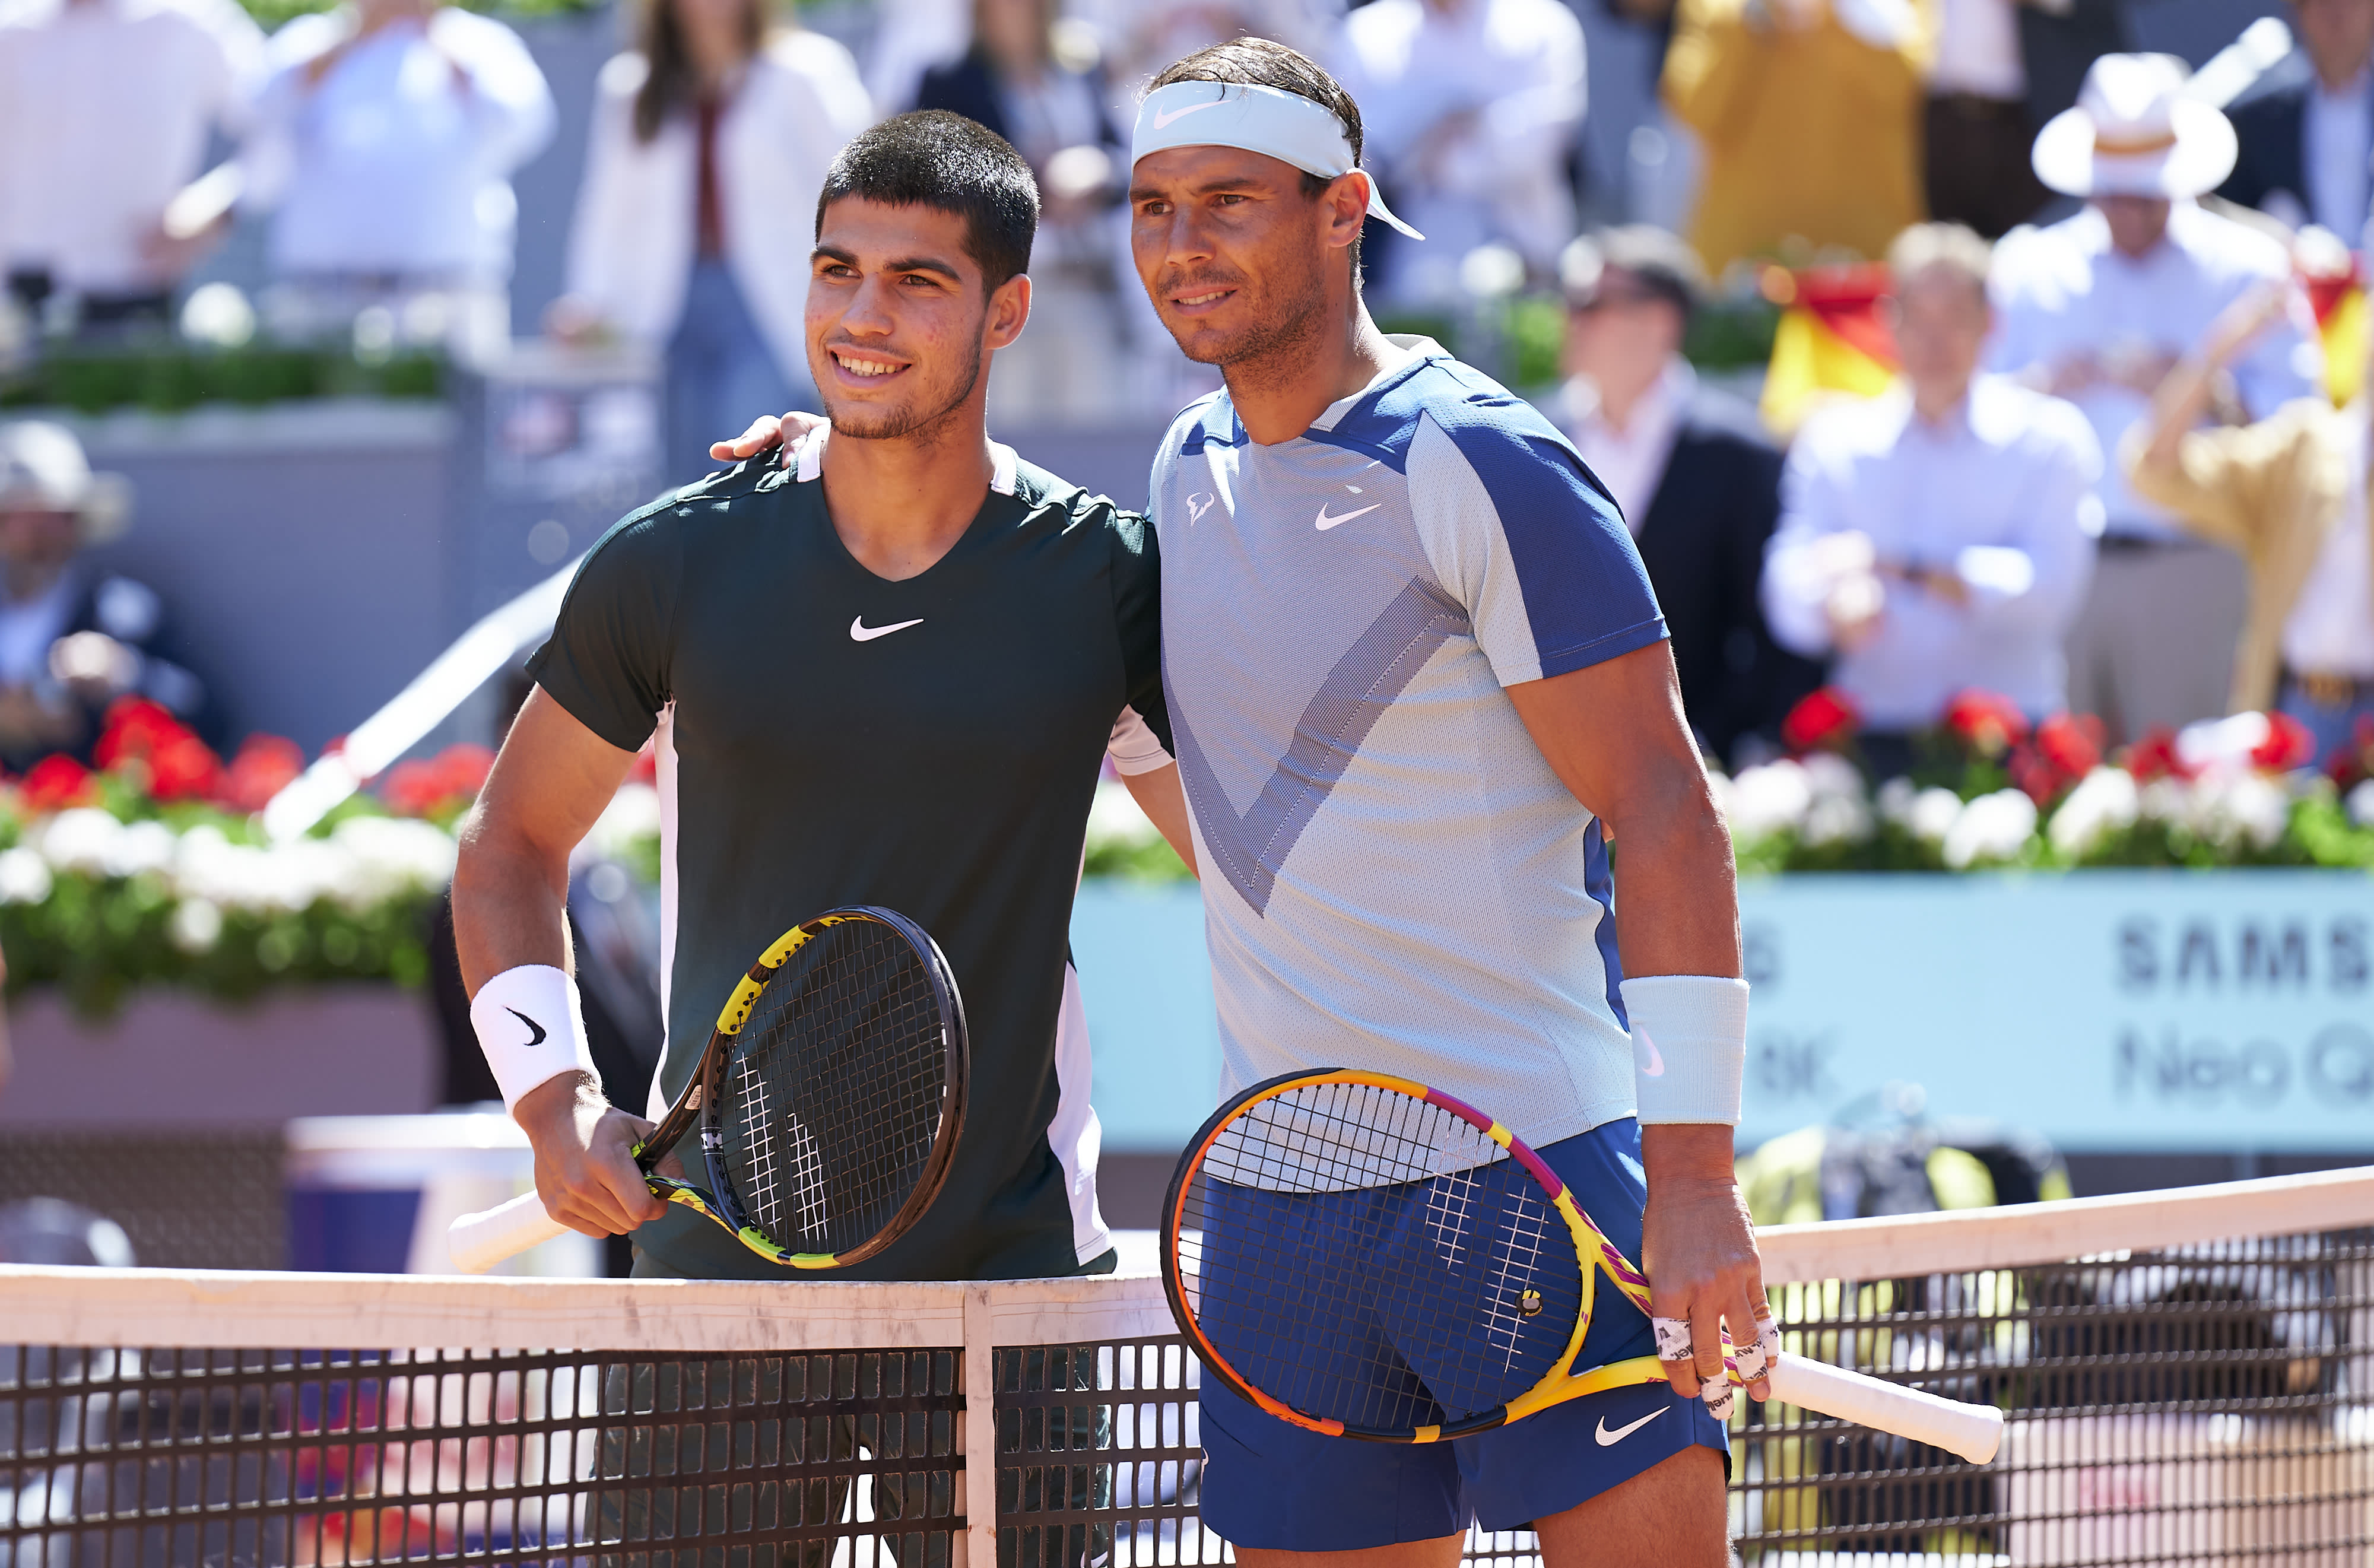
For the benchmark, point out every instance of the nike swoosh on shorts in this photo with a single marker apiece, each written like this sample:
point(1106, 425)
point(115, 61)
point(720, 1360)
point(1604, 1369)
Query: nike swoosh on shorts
point(1610, 1439)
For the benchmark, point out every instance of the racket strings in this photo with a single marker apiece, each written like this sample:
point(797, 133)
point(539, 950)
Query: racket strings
point(836, 1089)
point(1349, 1252)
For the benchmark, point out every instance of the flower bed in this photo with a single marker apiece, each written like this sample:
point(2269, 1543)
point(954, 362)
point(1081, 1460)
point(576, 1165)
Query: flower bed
point(1989, 790)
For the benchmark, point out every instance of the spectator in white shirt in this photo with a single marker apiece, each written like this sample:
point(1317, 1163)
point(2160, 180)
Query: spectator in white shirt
point(1691, 468)
point(2305, 131)
point(105, 111)
point(1937, 537)
point(1470, 108)
point(1976, 131)
point(384, 142)
point(709, 146)
point(2096, 310)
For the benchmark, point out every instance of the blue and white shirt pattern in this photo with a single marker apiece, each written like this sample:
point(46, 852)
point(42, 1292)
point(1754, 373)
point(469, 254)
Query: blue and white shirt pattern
point(1394, 877)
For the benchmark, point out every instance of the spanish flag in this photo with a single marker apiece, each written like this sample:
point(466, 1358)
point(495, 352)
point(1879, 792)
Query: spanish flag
point(1831, 340)
point(2339, 299)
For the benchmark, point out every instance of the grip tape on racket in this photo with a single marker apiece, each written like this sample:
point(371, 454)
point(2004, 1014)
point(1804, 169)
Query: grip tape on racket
point(1973, 1431)
point(480, 1241)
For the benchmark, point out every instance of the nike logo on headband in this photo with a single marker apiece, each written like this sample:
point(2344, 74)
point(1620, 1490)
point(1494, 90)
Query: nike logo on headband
point(1162, 117)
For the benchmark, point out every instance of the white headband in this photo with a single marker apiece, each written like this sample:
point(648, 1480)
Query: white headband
point(1266, 120)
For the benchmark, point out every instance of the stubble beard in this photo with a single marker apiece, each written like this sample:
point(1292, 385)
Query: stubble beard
point(920, 425)
point(1272, 351)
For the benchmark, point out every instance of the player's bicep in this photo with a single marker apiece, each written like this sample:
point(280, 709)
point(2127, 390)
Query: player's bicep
point(552, 779)
point(1614, 732)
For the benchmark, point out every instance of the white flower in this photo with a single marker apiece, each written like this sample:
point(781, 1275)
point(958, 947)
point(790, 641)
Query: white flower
point(1933, 814)
point(195, 926)
point(24, 876)
point(2222, 745)
point(2169, 800)
point(2104, 802)
point(1837, 819)
point(82, 839)
point(1770, 800)
point(141, 846)
point(1992, 827)
point(379, 859)
point(2359, 801)
point(1114, 819)
point(1896, 798)
point(1831, 774)
point(2245, 807)
point(633, 813)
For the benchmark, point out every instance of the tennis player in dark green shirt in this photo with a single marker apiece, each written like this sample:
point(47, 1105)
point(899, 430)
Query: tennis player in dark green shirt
point(885, 675)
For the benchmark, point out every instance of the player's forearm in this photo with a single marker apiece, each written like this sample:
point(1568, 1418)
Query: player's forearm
point(1675, 892)
point(510, 905)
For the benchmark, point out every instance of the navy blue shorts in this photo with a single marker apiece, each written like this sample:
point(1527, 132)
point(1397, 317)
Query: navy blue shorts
point(1269, 1484)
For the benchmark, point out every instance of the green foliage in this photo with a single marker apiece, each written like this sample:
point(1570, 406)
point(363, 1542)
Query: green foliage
point(97, 940)
point(270, 13)
point(1138, 861)
point(1732, 333)
point(171, 377)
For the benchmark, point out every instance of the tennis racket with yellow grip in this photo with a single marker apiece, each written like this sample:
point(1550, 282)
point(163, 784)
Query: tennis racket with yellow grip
point(1368, 1257)
point(829, 1101)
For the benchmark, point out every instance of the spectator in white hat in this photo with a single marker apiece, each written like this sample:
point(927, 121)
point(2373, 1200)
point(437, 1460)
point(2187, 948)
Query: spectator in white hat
point(2095, 309)
point(71, 639)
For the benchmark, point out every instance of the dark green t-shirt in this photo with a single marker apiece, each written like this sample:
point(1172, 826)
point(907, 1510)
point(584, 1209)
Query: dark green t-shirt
point(827, 738)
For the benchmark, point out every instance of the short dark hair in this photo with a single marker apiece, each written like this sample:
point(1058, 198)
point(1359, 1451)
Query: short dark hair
point(1260, 62)
point(950, 164)
point(1662, 260)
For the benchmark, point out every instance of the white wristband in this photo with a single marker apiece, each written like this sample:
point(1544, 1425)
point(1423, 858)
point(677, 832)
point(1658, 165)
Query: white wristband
point(531, 1026)
point(1689, 1046)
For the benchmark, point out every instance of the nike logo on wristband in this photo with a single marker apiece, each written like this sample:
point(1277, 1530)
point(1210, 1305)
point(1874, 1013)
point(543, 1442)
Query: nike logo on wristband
point(1610, 1439)
point(1652, 1063)
point(540, 1036)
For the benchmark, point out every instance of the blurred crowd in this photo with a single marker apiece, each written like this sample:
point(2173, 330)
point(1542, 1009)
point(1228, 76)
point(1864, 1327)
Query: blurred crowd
point(2089, 441)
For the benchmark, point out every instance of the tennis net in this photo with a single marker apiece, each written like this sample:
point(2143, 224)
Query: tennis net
point(2187, 1376)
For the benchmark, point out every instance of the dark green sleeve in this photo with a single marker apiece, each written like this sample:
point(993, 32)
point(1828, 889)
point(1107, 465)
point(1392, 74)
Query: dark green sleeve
point(1137, 616)
point(608, 657)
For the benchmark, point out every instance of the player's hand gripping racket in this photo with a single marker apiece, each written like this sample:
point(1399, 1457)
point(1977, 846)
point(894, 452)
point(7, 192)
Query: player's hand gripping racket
point(828, 1099)
point(1351, 1253)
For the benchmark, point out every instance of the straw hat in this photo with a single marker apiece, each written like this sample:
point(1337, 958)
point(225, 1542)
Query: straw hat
point(2135, 134)
point(42, 469)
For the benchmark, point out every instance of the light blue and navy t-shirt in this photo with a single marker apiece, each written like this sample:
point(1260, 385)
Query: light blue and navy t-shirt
point(1394, 877)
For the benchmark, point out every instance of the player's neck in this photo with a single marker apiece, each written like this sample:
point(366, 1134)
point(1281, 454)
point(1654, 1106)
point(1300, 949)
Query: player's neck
point(901, 504)
point(1278, 395)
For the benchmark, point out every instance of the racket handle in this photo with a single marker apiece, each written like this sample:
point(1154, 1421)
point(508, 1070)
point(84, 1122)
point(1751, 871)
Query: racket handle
point(1971, 1431)
point(480, 1241)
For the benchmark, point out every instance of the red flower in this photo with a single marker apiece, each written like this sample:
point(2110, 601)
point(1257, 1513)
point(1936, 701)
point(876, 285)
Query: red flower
point(1825, 718)
point(452, 777)
point(2354, 758)
point(265, 763)
point(1988, 723)
point(646, 766)
point(136, 727)
point(2154, 757)
point(184, 769)
point(56, 783)
point(2288, 745)
point(2071, 742)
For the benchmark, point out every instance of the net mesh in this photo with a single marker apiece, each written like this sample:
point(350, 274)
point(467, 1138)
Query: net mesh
point(2209, 1404)
point(835, 1092)
point(164, 1457)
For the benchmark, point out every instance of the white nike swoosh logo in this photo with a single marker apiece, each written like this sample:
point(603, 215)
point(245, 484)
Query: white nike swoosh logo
point(1164, 117)
point(1325, 521)
point(1610, 1439)
point(1655, 1066)
point(861, 632)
